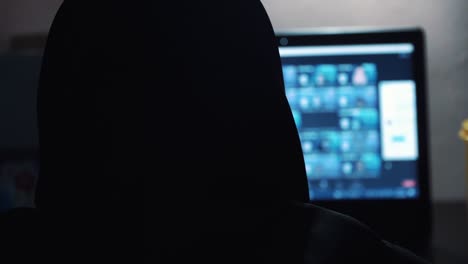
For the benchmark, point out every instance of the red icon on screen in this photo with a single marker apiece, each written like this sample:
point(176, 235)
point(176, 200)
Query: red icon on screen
point(409, 183)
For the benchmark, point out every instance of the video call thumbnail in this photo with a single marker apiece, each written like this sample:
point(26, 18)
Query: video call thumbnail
point(313, 99)
point(322, 166)
point(320, 142)
point(367, 165)
point(352, 97)
point(359, 119)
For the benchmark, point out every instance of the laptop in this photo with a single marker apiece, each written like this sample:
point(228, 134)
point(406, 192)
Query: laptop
point(358, 98)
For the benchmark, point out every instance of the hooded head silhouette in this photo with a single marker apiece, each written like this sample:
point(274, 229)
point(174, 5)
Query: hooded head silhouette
point(169, 121)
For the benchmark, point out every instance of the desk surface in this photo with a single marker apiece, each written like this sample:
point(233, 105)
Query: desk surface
point(450, 233)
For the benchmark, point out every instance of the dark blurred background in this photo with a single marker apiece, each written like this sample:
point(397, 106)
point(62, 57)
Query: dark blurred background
point(23, 29)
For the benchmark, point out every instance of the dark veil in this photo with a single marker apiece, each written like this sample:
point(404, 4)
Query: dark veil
point(165, 133)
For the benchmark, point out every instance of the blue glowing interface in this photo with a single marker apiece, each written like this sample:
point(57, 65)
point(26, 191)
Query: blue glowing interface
point(355, 109)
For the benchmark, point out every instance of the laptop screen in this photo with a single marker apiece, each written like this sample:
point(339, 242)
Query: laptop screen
point(355, 109)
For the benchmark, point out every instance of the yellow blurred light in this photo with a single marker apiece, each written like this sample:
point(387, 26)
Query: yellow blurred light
point(464, 131)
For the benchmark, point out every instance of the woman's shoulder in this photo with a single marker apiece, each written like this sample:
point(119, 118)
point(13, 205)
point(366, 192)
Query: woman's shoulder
point(332, 237)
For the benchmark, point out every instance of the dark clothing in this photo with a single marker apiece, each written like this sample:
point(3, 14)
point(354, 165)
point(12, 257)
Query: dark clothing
point(166, 137)
point(318, 235)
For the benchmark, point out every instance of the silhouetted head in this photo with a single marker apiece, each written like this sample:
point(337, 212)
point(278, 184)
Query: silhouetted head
point(170, 113)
